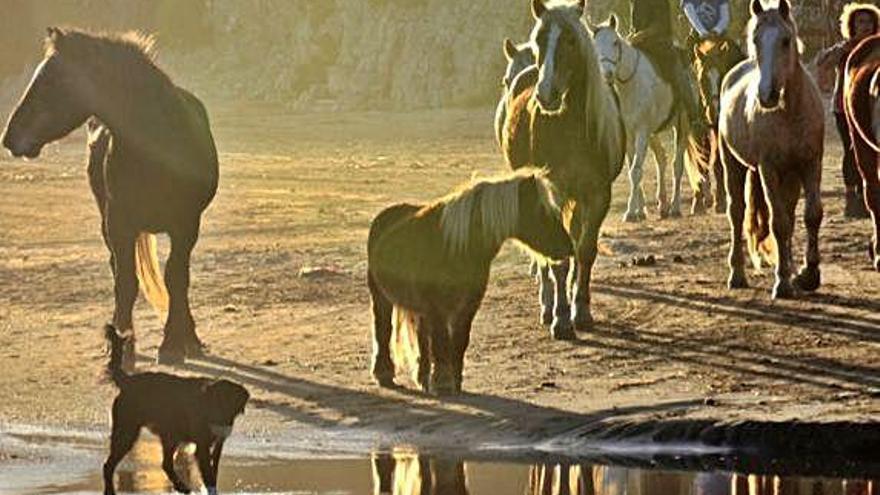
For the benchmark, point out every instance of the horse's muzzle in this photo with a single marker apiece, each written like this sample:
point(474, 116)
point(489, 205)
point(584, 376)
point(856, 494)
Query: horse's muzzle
point(769, 99)
point(20, 148)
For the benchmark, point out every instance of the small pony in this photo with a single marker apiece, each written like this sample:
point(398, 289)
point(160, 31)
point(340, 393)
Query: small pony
point(862, 107)
point(771, 139)
point(430, 265)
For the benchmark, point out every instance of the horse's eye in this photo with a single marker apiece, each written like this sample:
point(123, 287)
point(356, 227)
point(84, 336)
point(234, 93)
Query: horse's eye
point(786, 42)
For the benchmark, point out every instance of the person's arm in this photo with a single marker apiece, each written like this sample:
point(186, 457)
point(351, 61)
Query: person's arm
point(691, 13)
point(723, 19)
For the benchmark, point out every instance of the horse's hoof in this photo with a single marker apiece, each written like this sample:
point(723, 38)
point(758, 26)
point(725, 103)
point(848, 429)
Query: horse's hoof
point(675, 213)
point(196, 350)
point(442, 385)
point(170, 356)
point(562, 330)
point(783, 290)
point(384, 379)
point(877, 263)
point(737, 281)
point(808, 279)
point(630, 217)
point(547, 317)
point(721, 207)
point(583, 322)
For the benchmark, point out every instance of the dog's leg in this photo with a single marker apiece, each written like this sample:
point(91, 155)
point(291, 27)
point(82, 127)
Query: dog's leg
point(169, 446)
point(215, 464)
point(206, 467)
point(122, 439)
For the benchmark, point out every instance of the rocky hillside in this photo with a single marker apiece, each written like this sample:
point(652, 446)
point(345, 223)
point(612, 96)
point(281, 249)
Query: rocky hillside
point(345, 54)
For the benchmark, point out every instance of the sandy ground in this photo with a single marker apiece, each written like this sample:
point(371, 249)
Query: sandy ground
point(297, 194)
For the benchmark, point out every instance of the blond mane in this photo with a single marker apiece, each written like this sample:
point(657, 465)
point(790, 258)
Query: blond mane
point(492, 203)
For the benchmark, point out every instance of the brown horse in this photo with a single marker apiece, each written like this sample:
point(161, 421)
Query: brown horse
point(519, 57)
point(430, 266)
point(862, 107)
point(563, 116)
point(771, 138)
point(713, 57)
point(152, 164)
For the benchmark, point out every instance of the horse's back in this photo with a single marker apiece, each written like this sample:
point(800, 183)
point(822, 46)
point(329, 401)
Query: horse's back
point(387, 218)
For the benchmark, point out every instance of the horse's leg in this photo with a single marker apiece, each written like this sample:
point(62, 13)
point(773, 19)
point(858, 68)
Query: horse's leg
point(781, 225)
point(121, 239)
point(717, 169)
point(809, 278)
point(423, 366)
point(442, 374)
point(596, 205)
point(180, 338)
point(866, 159)
point(678, 167)
point(382, 367)
point(545, 292)
point(735, 179)
point(635, 209)
point(661, 161)
point(460, 329)
point(561, 328)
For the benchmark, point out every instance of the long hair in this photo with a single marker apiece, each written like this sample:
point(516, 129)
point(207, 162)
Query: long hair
point(490, 204)
point(848, 17)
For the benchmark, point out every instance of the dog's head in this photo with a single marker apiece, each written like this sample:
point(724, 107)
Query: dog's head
point(225, 401)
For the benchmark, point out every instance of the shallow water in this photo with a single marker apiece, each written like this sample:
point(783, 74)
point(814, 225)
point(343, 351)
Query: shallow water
point(71, 465)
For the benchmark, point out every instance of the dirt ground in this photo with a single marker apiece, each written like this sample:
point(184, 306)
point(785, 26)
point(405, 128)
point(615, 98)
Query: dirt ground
point(279, 296)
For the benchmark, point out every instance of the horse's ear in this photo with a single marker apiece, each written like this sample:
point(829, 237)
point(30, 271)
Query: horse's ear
point(612, 22)
point(757, 7)
point(509, 49)
point(784, 9)
point(538, 8)
point(582, 4)
point(54, 36)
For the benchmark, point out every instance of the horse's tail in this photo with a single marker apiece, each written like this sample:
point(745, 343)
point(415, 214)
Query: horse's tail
point(117, 348)
point(148, 273)
point(762, 245)
point(405, 340)
point(698, 159)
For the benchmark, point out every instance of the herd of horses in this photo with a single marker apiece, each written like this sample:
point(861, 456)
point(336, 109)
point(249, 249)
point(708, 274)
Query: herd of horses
point(579, 103)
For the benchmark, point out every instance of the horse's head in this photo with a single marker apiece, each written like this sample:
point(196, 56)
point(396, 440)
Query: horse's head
point(51, 107)
point(609, 48)
point(540, 224)
point(773, 43)
point(519, 57)
point(557, 40)
point(710, 63)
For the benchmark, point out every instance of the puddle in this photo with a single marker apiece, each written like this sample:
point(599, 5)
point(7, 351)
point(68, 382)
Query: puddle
point(55, 464)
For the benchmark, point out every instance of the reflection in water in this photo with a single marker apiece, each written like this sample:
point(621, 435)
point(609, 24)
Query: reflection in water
point(407, 473)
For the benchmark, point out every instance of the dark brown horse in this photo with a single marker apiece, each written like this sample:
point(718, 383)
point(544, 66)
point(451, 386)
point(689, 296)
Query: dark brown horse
point(862, 106)
point(152, 163)
point(430, 266)
point(713, 57)
point(563, 116)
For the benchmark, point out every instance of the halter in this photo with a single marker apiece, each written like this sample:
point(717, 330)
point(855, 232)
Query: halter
point(616, 63)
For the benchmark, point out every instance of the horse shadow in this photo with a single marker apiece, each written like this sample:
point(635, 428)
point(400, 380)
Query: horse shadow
point(743, 360)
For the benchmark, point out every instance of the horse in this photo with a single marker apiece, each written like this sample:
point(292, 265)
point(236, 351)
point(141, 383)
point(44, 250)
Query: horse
point(152, 164)
point(561, 115)
point(518, 57)
point(648, 106)
point(771, 129)
point(862, 109)
point(713, 57)
point(428, 269)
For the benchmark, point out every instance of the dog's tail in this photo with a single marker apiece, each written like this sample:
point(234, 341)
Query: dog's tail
point(762, 244)
point(148, 273)
point(117, 343)
point(405, 341)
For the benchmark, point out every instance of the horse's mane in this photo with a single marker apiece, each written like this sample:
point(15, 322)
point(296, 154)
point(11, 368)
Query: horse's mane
point(492, 203)
point(132, 53)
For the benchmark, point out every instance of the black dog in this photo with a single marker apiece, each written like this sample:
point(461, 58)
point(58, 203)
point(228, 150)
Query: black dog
point(178, 410)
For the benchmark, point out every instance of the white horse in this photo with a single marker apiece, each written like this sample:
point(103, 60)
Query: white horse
point(648, 106)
